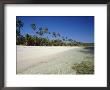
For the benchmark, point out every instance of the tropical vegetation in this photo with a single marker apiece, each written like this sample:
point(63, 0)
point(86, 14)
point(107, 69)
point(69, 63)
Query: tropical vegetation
point(41, 37)
point(85, 67)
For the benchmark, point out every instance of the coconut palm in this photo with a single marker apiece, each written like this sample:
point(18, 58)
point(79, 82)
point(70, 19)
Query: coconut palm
point(63, 38)
point(19, 25)
point(33, 26)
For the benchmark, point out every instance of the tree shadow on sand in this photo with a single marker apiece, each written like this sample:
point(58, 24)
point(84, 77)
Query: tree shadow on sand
point(88, 50)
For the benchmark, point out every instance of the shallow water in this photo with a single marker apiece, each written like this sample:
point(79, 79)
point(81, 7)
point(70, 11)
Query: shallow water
point(60, 63)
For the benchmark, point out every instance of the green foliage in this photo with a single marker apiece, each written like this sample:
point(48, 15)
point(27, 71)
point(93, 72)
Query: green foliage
point(19, 37)
point(19, 23)
point(85, 67)
point(33, 26)
point(40, 39)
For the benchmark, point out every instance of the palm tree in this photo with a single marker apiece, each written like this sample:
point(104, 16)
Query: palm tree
point(75, 42)
point(63, 38)
point(49, 32)
point(29, 40)
point(45, 30)
point(54, 34)
point(33, 26)
point(19, 25)
point(58, 35)
point(26, 39)
point(40, 32)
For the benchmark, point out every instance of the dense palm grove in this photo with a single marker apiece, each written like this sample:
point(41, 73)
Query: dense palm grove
point(41, 37)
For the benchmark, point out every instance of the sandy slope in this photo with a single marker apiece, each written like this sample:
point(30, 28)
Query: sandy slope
point(48, 60)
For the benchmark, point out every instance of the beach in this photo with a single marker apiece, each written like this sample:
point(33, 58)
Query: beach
point(50, 59)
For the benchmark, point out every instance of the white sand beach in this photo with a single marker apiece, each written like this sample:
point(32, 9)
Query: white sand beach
point(49, 59)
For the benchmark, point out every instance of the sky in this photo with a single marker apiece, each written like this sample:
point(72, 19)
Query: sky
point(80, 28)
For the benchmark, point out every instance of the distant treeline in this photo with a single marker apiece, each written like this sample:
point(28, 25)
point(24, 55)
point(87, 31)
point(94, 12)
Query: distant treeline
point(41, 37)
